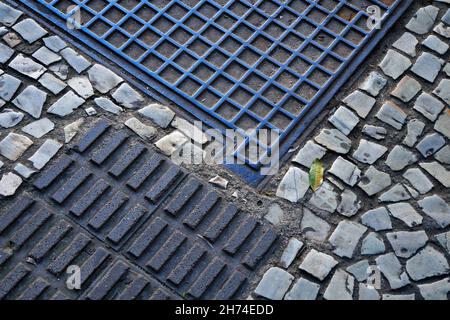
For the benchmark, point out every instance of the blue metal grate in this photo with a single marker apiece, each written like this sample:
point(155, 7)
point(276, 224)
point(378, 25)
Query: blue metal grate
point(251, 64)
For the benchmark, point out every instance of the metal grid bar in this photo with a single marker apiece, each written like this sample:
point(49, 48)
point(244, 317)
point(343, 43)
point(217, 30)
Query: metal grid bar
point(251, 64)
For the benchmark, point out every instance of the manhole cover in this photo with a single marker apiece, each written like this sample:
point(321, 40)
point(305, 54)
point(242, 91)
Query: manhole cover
point(137, 226)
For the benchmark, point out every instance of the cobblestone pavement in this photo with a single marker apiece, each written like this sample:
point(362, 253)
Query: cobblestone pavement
point(384, 205)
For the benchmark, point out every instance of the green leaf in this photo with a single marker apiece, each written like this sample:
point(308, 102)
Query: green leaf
point(316, 174)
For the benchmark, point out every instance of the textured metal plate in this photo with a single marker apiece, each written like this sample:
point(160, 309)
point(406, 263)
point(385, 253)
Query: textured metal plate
point(163, 228)
point(249, 64)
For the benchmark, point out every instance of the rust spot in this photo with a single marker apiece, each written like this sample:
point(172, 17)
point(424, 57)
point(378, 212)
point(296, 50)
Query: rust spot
point(347, 15)
point(388, 2)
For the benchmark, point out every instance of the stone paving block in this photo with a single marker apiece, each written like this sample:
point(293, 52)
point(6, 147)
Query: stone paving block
point(75, 60)
point(439, 172)
point(406, 89)
point(401, 297)
point(436, 208)
point(66, 104)
point(9, 118)
point(407, 43)
point(374, 181)
point(60, 69)
point(27, 66)
point(8, 86)
point(127, 97)
point(442, 125)
point(399, 158)
point(31, 100)
point(325, 198)
point(437, 290)
point(418, 180)
point(392, 114)
point(405, 243)
point(14, 145)
point(309, 153)
point(434, 43)
point(349, 204)
point(369, 152)
point(442, 30)
point(318, 264)
point(71, 130)
point(39, 128)
point(367, 292)
point(45, 153)
point(362, 103)
point(406, 213)
point(430, 144)
point(30, 30)
point(415, 129)
point(274, 284)
point(5, 53)
point(290, 252)
point(303, 290)
point(429, 106)
point(426, 264)
point(346, 237)
point(103, 79)
point(443, 91)
point(344, 120)
point(377, 219)
point(427, 66)
point(391, 268)
point(372, 244)
point(24, 171)
point(9, 183)
point(346, 171)
point(359, 270)
point(394, 64)
point(46, 56)
point(294, 185)
point(373, 84)
point(423, 21)
point(340, 287)
point(52, 83)
point(144, 131)
point(108, 105)
point(378, 133)
point(443, 155)
point(444, 240)
point(334, 140)
point(54, 43)
point(314, 227)
point(81, 86)
point(8, 15)
point(395, 194)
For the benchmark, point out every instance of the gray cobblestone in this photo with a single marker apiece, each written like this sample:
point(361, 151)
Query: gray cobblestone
point(426, 264)
point(423, 20)
point(435, 207)
point(427, 66)
point(406, 213)
point(318, 264)
point(407, 43)
point(345, 238)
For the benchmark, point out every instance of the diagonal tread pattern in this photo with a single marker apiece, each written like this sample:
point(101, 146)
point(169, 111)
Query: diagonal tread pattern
point(136, 209)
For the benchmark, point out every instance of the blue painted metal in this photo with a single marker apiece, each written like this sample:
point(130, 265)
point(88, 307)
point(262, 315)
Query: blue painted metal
point(232, 30)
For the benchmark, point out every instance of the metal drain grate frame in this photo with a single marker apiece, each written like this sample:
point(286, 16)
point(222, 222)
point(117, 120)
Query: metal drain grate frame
point(263, 64)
